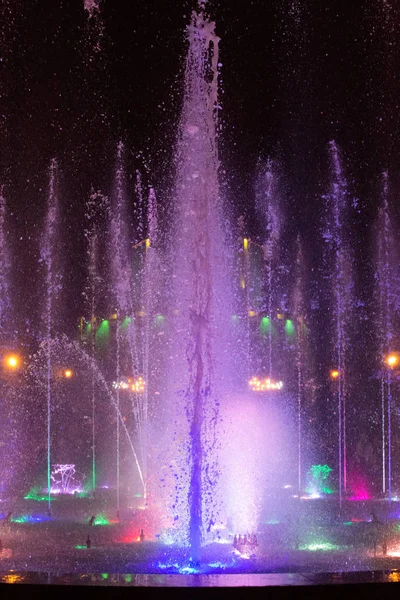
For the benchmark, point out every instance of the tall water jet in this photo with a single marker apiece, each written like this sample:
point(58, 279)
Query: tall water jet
point(267, 204)
point(97, 203)
point(4, 267)
point(152, 294)
point(122, 288)
point(201, 295)
point(386, 291)
point(9, 451)
point(298, 313)
point(52, 286)
point(340, 268)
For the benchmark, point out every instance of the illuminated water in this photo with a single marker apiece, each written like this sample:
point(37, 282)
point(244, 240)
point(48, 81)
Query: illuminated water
point(177, 421)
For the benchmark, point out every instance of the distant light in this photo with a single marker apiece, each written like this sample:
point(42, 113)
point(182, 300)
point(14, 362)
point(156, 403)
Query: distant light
point(334, 374)
point(137, 385)
point(245, 244)
point(120, 385)
point(392, 360)
point(147, 243)
point(264, 385)
point(68, 373)
point(252, 313)
point(12, 361)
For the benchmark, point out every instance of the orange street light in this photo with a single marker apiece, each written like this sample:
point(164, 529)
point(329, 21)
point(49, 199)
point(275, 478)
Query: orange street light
point(392, 360)
point(334, 374)
point(68, 373)
point(12, 361)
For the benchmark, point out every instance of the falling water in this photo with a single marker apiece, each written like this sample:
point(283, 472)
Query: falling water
point(63, 348)
point(95, 26)
point(52, 282)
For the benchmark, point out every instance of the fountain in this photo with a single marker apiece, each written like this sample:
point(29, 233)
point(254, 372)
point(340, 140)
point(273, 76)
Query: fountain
point(181, 420)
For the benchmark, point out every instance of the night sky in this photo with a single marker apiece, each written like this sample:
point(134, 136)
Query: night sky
point(294, 76)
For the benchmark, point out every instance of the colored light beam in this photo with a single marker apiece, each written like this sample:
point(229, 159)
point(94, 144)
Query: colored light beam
point(289, 327)
point(265, 325)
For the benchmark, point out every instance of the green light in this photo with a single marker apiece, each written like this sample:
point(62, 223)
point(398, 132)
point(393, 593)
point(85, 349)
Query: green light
point(103, 333)
point(104, 329)
point(104, 575)
point(319, 475)
point(125, 323)
point(101, 520)
point(23, 519)
point(265, 325)
point(160, 320)
point(81, 547)
point(34, 495)
point(88, 329)
point(128, 578)
point(289, 327)
point(81, 494)
point(321, 547)
point(320, 471)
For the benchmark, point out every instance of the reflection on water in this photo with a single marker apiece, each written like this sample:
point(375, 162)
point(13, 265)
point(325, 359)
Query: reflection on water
point(220, 580)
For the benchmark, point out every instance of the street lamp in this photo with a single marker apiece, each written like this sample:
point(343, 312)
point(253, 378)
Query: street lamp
point(68, 373)
point(392, 361)
point(12, 362)
point(337, 375)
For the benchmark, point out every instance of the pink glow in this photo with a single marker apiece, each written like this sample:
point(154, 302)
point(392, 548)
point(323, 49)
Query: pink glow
point(358, 487)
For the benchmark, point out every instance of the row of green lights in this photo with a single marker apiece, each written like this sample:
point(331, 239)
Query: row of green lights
point(265, 325)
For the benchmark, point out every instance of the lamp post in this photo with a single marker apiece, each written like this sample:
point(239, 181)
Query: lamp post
point(336, 375)
point(392, 361)
point(11, 365)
